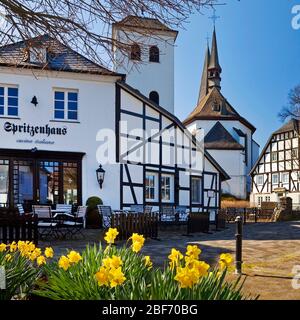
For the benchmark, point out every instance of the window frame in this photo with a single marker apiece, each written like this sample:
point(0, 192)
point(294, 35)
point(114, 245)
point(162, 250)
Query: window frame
point(257, 181)
point(66, 102)
point(275, 175)
point(171, 187)
point(154, 56)
point(155, 175)
point(283, 175)
point(6, 98)
point(272, 154)
point(200, 189)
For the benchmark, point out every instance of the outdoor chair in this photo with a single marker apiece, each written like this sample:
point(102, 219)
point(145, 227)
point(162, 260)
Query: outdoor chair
point(137, 208)
point(78, 223)
point(64, 208)
point(46, 223)
point(167, 214)
point(182, 214)
point(148, 209)
point(106, 213)
point(20, 209)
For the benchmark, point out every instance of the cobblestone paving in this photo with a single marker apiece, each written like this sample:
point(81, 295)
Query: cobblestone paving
point(270, 251)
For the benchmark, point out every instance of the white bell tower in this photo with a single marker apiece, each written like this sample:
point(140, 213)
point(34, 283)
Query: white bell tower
point(149, 62)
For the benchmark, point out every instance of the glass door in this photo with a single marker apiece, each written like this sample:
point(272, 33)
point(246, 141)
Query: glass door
point(48, 182)
point(4, 183)
point(23, 182)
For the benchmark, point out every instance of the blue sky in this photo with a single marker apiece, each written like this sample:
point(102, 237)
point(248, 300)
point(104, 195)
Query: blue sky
point(259, 52)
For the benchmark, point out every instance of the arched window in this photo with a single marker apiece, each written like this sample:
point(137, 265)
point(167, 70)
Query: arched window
point(135, 52)
point(154, 54)
point(154, 96)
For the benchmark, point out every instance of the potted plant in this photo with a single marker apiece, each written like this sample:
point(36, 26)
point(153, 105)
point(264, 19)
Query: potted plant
point(93, 220)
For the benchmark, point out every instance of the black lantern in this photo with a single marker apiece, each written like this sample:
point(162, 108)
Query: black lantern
point(100, 172)
point(34, 101)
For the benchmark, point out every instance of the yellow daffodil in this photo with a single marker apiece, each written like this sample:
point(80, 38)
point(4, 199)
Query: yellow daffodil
point(187, 277)
point(102, 276)
point(148, 262)
point(116, 277)
point(113, 262)
point(225, 261)
point(35, 253)
point(202, 268)
point(41, 260)
point(8, 257)
point(111, 235)
point(74, 257)
point(175, 257)
point(13, 247)
point(193, 251)
point(2, 247)
point(64, 263)
point(138, 241)
point(49, 253)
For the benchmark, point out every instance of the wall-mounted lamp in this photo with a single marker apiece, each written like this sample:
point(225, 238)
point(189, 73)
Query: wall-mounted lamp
point(100, 172)
point(34, 101)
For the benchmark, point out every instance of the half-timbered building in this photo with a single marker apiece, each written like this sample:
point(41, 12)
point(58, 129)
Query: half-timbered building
point(276, 173)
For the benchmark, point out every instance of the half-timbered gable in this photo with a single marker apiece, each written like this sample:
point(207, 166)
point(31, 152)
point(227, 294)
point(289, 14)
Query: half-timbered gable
point(161, 162)
point(276, 173)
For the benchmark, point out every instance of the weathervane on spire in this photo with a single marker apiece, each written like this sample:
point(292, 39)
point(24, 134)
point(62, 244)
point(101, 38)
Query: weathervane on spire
point(214, 18)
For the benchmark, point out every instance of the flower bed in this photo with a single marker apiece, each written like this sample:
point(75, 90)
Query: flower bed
point(114, 273)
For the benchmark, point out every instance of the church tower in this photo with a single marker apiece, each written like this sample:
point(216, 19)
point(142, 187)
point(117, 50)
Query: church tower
point(147, 58)
point(228, 136)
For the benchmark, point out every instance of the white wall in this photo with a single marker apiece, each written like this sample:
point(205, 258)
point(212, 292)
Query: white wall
point(96, 110)
point(149, 76)
point(232, 162)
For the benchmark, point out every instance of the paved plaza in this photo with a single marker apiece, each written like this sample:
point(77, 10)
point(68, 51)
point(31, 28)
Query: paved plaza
point(270, 251)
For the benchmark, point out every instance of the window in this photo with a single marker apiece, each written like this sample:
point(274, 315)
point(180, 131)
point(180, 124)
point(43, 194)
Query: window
point(135, 52)
point(9, 101)
point(274, 156)
point(196, 190)
point(260, 180)
point(154, 96)
point(151, 187)
point(285, 177)
point(38, 55)
point(167, 188)
point(4, 182)
point(275, 179)
point(259, 201)
point(154, 54)
point(268, 198)
point(65, 105)
point(295, 153)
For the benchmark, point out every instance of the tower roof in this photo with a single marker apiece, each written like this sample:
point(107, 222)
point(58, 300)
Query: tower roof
point(204, 79)
point(214, 106)
point(219, 138)
point(214, 57)
point(136, 22)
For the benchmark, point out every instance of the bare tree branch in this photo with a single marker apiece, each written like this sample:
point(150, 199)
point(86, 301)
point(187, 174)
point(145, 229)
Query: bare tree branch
point(85, 25)
point(292, 110)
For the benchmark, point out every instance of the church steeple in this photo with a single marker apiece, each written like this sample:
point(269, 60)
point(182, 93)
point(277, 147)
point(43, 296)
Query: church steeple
point(204, 79)
point(214, 68)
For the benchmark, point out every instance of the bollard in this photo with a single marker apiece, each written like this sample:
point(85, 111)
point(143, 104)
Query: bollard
point(238, 245)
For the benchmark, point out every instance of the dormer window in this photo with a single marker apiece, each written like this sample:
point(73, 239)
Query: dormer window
point(38, 55)
point(216, 106)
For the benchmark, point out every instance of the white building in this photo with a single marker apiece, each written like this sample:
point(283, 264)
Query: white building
point(228, 136)
point(57, 115)
point(150, 66)
point(276, 173)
